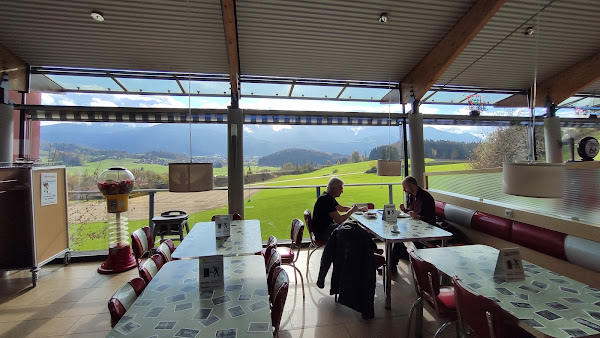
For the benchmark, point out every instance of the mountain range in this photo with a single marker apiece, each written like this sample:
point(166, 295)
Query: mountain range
point(209, 139)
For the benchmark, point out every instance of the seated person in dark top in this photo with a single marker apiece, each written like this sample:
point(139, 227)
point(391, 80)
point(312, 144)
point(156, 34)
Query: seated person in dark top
point(420, 205)
point(328, 213)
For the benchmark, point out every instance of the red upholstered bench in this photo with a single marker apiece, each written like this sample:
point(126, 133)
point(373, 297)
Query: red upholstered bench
point(492, 225)
point(546, 241)
point(439, 209)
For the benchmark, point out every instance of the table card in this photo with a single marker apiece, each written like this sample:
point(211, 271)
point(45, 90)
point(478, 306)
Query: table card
point(390, 214)
point(509, 264)
point(210, 272)
point(223, 225)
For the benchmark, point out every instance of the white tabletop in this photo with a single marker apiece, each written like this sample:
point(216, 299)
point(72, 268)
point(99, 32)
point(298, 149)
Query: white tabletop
point(245, 239)
point(409, 229)
point(172, 306)
point(546, 302)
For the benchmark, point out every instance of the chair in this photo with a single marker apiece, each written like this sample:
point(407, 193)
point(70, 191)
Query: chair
point(266, 251)
point(165, 249)
point(277, 297)
point(121, 300)
point(370, 206)
point(314, 242)
point(273, 262)
point(151, 266)
point(235, 217)
point(141, 242)
point(481, 317)
point(289, 255)
point(427, 286)
point(170, 223)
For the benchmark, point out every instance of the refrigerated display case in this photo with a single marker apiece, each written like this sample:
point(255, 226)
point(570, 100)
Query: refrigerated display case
point(34, 226)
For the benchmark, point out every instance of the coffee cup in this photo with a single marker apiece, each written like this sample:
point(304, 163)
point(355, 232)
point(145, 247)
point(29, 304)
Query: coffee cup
point(395, 227)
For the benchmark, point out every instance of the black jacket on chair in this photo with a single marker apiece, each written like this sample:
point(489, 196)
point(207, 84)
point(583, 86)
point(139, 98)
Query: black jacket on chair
point(350, 248)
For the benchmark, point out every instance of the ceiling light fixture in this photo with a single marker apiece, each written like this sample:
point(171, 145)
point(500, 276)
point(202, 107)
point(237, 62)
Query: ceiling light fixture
point(97, 16)
point(529, 31)
point(384, 17)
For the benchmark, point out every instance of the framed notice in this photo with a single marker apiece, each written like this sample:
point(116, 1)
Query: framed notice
point(49, 190)
point(222, 225)
point(390, 214)
point(210, 272)
point(509, 264)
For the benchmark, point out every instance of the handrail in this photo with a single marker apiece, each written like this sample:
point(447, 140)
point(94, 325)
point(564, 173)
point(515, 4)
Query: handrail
point(151, 192)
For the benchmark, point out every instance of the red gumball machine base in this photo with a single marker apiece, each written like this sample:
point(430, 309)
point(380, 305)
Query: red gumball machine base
point(119, 259)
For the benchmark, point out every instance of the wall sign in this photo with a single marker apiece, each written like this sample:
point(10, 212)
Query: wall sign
point(49, 189)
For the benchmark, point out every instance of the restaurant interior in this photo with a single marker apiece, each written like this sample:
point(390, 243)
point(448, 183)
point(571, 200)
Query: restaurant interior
point(537, 59)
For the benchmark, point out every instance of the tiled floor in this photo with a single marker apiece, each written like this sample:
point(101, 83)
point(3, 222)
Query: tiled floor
point(71, 301)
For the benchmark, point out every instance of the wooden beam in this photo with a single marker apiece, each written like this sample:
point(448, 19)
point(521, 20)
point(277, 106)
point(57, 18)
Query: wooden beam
point(17, 70)
point(433, 65)
point(230, 25)
point(569, 81)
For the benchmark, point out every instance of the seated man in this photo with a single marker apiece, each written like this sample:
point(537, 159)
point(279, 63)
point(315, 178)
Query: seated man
point(420, 205)
point(328, 214)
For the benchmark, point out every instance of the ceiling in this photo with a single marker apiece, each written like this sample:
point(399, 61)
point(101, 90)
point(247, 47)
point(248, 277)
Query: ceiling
point(320, 39)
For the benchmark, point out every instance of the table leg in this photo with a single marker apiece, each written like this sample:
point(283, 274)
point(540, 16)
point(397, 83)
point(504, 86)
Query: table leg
point(388, 275)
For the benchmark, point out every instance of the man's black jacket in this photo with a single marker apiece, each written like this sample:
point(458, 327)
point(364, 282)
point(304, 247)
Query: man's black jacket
point(350, 248)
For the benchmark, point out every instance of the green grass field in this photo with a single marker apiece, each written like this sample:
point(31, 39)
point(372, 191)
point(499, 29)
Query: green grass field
point(276, 208)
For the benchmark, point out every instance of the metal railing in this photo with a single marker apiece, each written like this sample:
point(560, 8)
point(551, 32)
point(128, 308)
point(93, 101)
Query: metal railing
point(152, 192)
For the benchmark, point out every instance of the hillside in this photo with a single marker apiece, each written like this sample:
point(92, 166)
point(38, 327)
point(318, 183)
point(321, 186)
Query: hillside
point(210, 139)
point(300, 157)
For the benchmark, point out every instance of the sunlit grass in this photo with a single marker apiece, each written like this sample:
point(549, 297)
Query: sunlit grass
point(276, 208)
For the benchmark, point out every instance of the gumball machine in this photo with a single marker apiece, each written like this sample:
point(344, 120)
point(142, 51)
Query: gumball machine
point(116, 184)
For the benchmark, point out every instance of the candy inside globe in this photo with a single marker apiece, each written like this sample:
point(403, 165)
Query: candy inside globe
point(115, 181)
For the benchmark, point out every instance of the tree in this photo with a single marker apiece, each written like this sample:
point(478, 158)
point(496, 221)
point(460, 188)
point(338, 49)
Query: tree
point(507, 144)
point(386, 152)
point(355, 157)
point(287, 166)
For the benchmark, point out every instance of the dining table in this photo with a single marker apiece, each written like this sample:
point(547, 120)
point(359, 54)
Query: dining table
point(244, 239)
point(173, 304)
point(408, 229)
point(545, 303)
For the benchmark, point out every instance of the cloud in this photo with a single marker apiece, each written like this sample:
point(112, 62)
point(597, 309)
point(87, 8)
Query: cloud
point(248, 130)
point(356, 129)
point(280, 127)
point(98, 102)
point(66, 102)
point(47, 99)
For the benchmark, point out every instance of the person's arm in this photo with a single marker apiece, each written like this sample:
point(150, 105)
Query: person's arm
point(347, 212)
point(427, 212)
point(408, 207)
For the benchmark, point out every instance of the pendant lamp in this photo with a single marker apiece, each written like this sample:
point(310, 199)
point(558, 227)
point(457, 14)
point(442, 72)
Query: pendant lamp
point(190, 177)
point(389, 167)
point(531, 178)
point(534, 179)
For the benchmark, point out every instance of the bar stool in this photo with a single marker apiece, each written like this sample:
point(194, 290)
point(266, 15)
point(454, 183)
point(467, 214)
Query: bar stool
point(170, 223)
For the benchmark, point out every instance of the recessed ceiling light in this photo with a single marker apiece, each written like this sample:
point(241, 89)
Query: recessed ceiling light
point(384, 17)
point(529, 31)
point(97, 16)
